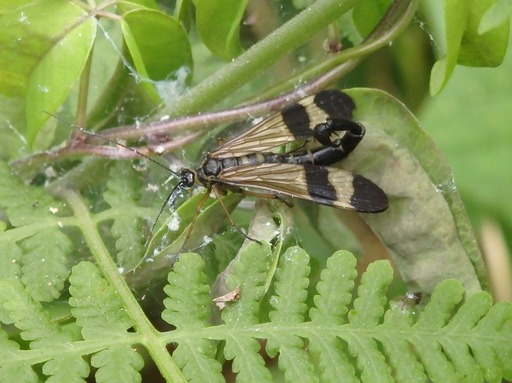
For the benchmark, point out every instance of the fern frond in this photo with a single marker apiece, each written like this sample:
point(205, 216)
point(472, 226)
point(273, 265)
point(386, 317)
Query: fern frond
point(289, 308)
point(67, 368)
point(43, 334)
point(331, 305)
point(25, 205)
point(45, 263)
point(10, 256)
point(117, 364)
point(11, 369)
point(96, 306)
point(188, 308)
point(374, 341)
point(29, 316)
point(250, 272)
point(123, 193)
point(35, 218)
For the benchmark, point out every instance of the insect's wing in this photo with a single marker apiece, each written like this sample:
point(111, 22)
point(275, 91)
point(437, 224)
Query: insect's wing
point(293, 123)
point(320, 184)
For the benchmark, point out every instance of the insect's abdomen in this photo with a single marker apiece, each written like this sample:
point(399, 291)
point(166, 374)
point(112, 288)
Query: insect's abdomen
point(321, 156)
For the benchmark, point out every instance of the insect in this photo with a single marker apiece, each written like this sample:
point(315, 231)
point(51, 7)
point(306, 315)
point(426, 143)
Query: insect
point(249, 161)
point(252, 164)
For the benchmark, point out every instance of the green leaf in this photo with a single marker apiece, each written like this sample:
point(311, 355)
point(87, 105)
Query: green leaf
point(12, 370)
point(369, 306)
point(330, 308)
point(250, 274)
point(366, 14)
point(172, 238)
point(157, 43)
point(118, 364)
point(10, 255)
point(25, 204)
point(431, 238)
point(28, 316)
point(496, 15)
point(96, 305)
point(67, 368)
point(447, 21)
point(45, 263)
point(334, 293)
point(60, 38)
point(289, 305)
point(221, 37)
point(187, 308)
point(123, 194)
point(187, 293)
point(483, 49)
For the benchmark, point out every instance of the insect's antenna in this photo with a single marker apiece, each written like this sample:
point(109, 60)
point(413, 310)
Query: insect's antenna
point(93, 134)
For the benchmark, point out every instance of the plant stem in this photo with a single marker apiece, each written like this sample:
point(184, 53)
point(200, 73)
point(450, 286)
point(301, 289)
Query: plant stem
point(260, 56)
point(151, 338)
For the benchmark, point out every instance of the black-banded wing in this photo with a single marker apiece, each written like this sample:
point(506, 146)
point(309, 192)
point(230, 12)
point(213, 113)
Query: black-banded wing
point(321, 184)
point(293, 123)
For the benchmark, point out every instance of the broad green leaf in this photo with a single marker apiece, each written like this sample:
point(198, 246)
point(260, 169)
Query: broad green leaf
point(483, 50)
point(127, 6)
point(218, 23)
point(425, 228)
point(157, 43)
point(69, 41)
point(497, 15)
point(446, 21)
point(183, 12)
point(7, 6)
point(44, 47)
point(366, 14)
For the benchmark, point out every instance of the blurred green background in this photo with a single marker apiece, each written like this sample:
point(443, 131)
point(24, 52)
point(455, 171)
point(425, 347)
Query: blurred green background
point(471, 121)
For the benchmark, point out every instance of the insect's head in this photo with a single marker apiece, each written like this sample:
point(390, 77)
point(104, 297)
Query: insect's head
point(187, 178)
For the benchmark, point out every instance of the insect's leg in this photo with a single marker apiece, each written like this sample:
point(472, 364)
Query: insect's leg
point(354, 133)
point(266, 196)
point(218, 195)
point(200, 204)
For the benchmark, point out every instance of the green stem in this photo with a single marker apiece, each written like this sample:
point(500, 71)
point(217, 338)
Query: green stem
point(152, 339)
point(83, 93)
point(393, 23)
point(260, 56)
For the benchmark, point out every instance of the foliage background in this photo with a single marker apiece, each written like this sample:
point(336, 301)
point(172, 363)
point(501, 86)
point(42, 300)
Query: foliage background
point(467, 120)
